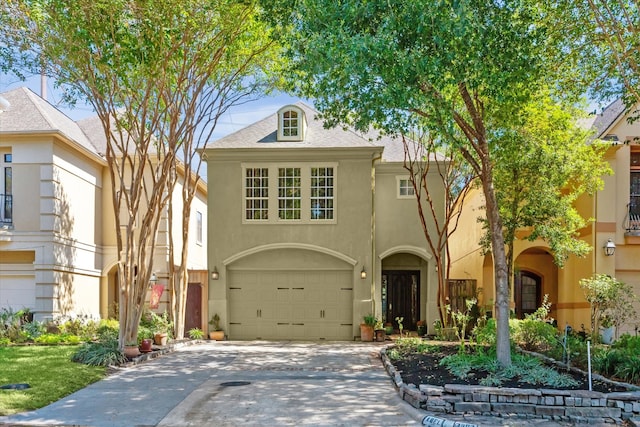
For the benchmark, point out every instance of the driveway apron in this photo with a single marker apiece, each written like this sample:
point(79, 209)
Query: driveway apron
point(234, 383)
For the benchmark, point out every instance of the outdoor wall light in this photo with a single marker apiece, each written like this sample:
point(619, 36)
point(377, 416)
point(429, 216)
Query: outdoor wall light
point(153, 280)
point(214, 274)
point(609, 248)
point(363, 273)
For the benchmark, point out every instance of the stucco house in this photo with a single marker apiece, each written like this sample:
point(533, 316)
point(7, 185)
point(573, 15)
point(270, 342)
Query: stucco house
point(310, 229)
point(615, 211)
point(57, 232)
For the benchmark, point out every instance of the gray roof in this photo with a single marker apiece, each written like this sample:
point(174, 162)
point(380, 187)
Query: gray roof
point(608, 117)
point(263, 135)
point(29, 113)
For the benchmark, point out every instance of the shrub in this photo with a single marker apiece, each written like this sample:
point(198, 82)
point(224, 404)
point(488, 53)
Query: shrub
point(196, 334)
point(101, 353)
point(535, 335)
point(409, 345)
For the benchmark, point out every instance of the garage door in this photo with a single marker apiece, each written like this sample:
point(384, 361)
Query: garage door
point(291, 305)
point(17, 286)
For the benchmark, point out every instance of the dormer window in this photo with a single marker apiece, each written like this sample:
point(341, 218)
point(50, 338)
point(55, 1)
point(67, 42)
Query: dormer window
point(291, 124)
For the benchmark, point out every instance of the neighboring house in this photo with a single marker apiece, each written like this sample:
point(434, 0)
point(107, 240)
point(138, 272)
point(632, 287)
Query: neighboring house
point(616, 213)
point(310, 229)
point(57, 233)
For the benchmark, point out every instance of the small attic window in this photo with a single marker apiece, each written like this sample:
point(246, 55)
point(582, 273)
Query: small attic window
point(291, 124)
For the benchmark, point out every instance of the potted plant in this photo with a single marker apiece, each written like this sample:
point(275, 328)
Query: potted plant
point(161, 326)
point(388, 328)
point(607, 329)
point(421, 326)
point(145, 339)
point(379, 331)
point(131, 349)
point(217, 333)
point(367, 328)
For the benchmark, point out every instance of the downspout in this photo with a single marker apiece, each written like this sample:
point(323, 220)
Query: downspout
point(373, 233)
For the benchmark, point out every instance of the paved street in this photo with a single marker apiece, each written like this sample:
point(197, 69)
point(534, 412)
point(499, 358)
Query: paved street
point(240, 384)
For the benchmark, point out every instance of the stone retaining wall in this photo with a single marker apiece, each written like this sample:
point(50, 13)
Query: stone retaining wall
point(578, 406)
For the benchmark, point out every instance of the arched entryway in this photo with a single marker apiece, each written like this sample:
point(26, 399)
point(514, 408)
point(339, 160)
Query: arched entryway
point(535, 275)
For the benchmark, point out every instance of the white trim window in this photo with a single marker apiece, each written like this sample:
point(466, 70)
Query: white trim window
point(321, 193)
point(291, 123)
point(297, 194)
point(289, 193)
point(256, 191)
point(199, 228)
point(405, 187)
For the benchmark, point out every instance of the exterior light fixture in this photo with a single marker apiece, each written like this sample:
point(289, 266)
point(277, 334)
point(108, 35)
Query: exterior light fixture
point(363, 273)
point(214, 274)
point(153, 280)
point(609, 248)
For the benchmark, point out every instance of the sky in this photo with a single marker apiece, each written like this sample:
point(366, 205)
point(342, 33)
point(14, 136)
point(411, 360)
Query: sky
point(233, 120)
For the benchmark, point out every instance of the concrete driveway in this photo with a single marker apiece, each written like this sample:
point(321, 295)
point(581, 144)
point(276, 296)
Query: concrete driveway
point(236, 383)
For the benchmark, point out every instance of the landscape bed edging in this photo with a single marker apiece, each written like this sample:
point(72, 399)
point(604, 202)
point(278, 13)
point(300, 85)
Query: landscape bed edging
point(578, 406)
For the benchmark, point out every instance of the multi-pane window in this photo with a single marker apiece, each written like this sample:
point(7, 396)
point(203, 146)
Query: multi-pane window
point(289, 193)
point(6, 183)
point(405, 187)
point(634, 192)
point(290, 123)
point(199, 227)
point(322, 193)
point(257, 194)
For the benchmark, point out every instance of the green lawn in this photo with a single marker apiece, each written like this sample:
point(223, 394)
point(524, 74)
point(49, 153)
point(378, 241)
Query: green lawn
point(47, 369)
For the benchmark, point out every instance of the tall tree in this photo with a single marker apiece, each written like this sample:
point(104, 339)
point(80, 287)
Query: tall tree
point(541, 168)
point(430, 161)
point(463, 69)
point(157, 73)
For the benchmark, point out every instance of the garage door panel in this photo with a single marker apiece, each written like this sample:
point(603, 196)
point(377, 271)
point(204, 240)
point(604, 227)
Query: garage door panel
point(299, 305)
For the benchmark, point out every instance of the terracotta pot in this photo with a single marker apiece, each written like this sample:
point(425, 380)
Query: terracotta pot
point(131, 351)
point(160, 339)
point(145, 346)
point(381, 335)
point(366, 332)
point(216, 335)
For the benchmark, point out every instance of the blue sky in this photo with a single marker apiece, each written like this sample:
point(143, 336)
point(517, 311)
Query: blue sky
point(235, 119)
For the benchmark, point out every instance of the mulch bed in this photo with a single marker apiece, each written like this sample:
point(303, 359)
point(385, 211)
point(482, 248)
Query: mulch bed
point(426, 369)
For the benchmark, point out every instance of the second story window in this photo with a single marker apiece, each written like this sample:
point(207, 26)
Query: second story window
point(289, 193)
point(6, 184)
point(405, 188)
point(321, 193)
point(199, 227)
point(256, 187)
point(634, 191)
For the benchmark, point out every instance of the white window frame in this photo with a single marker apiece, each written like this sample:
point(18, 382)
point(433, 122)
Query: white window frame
point(198, 228)
point(284, 123)
point(255, 198)
point(400, 180)
point(305, 193)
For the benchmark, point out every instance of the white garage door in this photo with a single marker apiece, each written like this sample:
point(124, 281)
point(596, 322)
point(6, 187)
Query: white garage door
point(291, 305)
point(17, 286)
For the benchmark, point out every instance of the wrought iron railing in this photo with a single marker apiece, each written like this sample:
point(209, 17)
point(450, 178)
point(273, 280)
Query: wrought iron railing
point(632, 221)
point(6, 209)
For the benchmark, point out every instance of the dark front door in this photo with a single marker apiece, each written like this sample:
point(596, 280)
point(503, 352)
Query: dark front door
point(401, 297)
point(528, 288)
point(193, 315)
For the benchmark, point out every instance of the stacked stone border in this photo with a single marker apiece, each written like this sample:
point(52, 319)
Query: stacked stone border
point(575, 406)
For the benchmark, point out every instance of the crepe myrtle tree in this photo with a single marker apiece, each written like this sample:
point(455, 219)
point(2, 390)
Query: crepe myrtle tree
point(441, 180)
point(159, 75)
point(461, 69)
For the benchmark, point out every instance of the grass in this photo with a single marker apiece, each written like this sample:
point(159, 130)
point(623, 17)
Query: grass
point(48, 370)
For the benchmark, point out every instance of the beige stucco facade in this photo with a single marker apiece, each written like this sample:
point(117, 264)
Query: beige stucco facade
point(301, 277)
point(57, 231)
point(609, 208)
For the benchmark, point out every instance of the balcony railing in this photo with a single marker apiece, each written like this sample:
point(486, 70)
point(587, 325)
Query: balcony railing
point(632, 221)
point(6, 209)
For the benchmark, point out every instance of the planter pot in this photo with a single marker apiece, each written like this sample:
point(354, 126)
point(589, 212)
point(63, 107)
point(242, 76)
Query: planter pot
point(145, 345)
point(216, 335)
point(380, 335)
point(607, 334)
point(131, 351)
point(366, 332)
point(160, 339)
point(422, 330)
